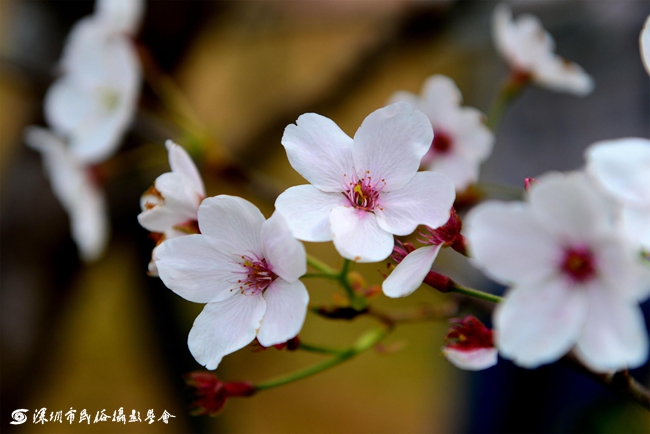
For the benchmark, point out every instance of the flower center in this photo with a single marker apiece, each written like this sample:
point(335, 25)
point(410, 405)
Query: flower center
point(364, 194)
point(110, 98)
point(578, 264)
point(442, 144)
point(256, 275)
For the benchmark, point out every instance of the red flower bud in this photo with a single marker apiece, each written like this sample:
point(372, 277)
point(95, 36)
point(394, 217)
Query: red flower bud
point(211, 393)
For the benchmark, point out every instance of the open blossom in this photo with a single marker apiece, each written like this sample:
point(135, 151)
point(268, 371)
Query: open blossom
point(74, 186)
point(246, 269)
point(94, 101)
point(529, 51)
point(170, 207)
point(622, 168)
point(366, 189)
point(414, 264)
point(469, 344)
point(574, 281)
point(461, 139)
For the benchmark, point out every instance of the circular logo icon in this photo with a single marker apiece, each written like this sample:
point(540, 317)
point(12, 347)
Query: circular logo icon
point(19, 416)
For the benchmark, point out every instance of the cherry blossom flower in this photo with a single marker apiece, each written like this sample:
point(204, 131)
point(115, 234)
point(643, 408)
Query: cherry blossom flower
point(644, 44)
point(574, 281)
point(366, 189)
point(469, 344)
point(74, 186)
point(94, 101)
point(461, 141)
point(413, 265)
point(246, 269)
point(170, 207)
point(622, 168)
point(529, 51)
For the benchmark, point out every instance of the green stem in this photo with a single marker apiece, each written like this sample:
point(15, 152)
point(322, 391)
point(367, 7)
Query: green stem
point(325, 269)
point(511, 88)
point(367, 341)
point(460, 289)
point(318, 349)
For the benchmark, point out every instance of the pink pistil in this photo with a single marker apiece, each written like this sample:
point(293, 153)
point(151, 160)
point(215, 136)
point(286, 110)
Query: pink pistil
point(578, 264)
point(364, 194)
point(258, 275)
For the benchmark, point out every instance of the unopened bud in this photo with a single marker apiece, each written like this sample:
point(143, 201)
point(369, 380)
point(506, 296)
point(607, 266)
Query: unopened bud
point(529, 182)
point(211, 393)
point(469, 344)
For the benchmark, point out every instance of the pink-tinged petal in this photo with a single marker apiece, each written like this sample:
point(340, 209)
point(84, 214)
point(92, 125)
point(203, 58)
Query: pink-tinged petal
point(441, 99)
point(390, 143)
point(458, 168)
point(285, 254)
point(121, 15)
point(506, 243)
point(233, 221)
point(198, 269)
point(178, 204)
point(410, 273)
point(569, 207)
point(67, 104)
point(358, 237)
point(320, 151)
point(538, 323)
point(622, 167)
point(225, 327)
point(472, 360)
point(644, 44)
point(614, 336)
point(181, 163)
point(559, 75)
point(426, 200)
point(286, 308)
point(306, 210)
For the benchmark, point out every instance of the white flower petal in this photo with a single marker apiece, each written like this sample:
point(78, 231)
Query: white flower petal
point(410, 273)
point(440, 100)
point(472, 360)
point(390, 143)
point(644, 44)
point(425, 200)
point(358, 237)
point(198, 268)
point(285, 254)
point(181, 163)
point(622, 167)
point(507, 243)
point(286, 308)
point(225, 327)
point(306, 210)
point(121, 15)
point(538, 323)
point(636, 223)
point(80, 197)
point(233, 221)
point(560, 75)
point(67, 104)
point(568, 206)
point(459, 169)
point(614, 335)
point(320, 151)
point(177, 207)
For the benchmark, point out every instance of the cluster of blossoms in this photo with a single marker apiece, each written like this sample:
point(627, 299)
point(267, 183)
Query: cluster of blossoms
point(88, 109)
point(574, 254)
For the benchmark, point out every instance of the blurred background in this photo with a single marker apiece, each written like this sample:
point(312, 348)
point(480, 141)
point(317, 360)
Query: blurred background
point(105, 335)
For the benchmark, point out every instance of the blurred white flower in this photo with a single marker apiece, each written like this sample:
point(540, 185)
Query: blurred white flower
point(644, 44)
point(246, 269)
point(469, 344)
point(622, 168)
point(529, 50)
point(94, 101)
point(170, 207)
point(574, 281)
point(122, 16)
point(461, 139)
point(363, 190)
point(75, 188)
